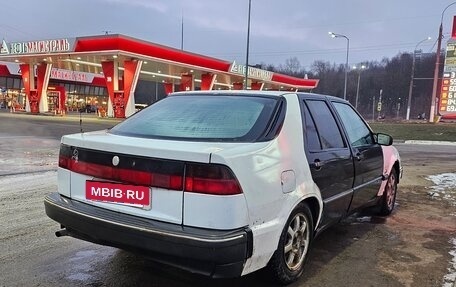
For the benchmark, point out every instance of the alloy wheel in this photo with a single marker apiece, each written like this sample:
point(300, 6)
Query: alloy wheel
point(297, 242)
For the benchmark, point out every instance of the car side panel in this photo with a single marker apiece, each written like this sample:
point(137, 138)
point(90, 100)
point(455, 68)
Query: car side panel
point(390, 157)
point(215, 211)
point(368, 174)
point(332, 169)
point(260, 178)
point(334, 178)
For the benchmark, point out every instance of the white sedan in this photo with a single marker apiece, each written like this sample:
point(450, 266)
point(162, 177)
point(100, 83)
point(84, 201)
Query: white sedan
point(224, 183)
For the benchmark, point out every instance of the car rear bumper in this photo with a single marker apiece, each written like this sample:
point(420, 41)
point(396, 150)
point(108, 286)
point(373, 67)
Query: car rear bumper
point(215, 253)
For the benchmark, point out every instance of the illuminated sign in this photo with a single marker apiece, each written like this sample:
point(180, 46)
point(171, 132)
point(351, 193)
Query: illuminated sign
point(447, 102)
point(254, 73)
point(67, 75)
point(37, 47)
point(448, 93)
point(58, 74)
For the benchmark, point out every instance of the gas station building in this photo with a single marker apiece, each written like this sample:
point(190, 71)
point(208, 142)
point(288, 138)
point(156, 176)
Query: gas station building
point(103, 72)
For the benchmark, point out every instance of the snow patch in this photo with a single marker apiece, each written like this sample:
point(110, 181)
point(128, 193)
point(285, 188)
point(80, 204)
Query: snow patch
point(449, 280)
point(444, 187)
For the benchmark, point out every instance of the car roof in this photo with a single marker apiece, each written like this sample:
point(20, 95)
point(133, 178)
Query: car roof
point(235, 92)
point(257, 93)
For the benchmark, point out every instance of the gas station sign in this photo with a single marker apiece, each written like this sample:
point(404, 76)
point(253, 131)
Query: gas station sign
point(37, 47)
point(447, 102)
point(254, 73)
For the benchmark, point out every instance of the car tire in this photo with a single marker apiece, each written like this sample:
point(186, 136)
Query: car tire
point(287, 263)
point(388, 199)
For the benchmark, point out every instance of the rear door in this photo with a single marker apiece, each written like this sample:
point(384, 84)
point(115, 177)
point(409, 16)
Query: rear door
point(329, 158)
point(368, 155)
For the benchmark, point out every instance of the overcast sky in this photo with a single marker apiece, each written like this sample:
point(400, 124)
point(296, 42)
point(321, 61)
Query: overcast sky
point(280, 29)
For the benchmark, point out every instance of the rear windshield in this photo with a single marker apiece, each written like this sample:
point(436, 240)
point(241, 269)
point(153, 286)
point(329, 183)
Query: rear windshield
point(203, 118)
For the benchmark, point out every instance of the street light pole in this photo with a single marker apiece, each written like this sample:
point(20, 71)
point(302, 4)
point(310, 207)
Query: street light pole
point(335, 35)
point(182, 31)
point(357, 87)
point(246, 76)
point(436, 69)
point(409, 101)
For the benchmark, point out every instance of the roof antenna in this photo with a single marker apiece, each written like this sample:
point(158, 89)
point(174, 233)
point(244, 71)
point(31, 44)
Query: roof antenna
point(80, 109)
point(106, 32)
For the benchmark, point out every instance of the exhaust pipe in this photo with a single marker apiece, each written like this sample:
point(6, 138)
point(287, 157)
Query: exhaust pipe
point(61, 233)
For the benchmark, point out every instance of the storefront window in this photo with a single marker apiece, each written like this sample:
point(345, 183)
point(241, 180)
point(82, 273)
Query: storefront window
point(78, 95)
point(9, 83)
point(53, 100)
point(16, 83)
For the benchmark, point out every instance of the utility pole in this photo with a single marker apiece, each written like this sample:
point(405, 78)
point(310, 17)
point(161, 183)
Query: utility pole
point(246, 76)
point(412, 76)
point(182, 31)
point(373, 108)
point(436, 75)
point(437, 64)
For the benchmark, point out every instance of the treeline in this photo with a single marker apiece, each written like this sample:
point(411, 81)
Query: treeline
point(391, 76)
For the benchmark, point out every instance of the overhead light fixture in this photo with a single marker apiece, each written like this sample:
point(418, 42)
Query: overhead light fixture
point(191, 71)
point(122, 69)
point(159, 71)
point(115, 56)
point(17, 61)
point(82, 62)
point(145, 62)
point(79, 58)
point(223, 85)
point(158, 75)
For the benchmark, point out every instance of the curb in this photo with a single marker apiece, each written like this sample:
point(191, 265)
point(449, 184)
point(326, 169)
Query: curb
point(421, 142)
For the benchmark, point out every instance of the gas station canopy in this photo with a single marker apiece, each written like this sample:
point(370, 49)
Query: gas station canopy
point(122, 60)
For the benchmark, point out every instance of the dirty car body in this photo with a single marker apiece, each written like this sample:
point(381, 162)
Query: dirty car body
point(224, 183)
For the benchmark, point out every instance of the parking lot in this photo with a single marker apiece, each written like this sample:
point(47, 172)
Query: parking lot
point(415, 246)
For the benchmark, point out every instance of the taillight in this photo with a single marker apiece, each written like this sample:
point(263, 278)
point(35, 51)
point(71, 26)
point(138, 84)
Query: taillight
point(211, 179)
point(199, 178)
point(64, 156)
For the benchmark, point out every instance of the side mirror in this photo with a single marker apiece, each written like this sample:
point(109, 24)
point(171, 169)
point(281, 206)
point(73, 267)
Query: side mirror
point(384, 139)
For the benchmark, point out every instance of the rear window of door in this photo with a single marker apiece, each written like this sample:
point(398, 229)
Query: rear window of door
point(328, 132)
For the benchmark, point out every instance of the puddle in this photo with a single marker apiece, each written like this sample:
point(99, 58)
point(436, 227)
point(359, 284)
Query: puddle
point(371, 219)
point(444, 187)
point(83, 263)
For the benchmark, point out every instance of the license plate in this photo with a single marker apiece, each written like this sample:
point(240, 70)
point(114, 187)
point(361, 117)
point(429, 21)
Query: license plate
point(134, 195)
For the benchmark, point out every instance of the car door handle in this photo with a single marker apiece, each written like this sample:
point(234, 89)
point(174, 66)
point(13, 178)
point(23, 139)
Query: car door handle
point(359, 156)
point(317, 164)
